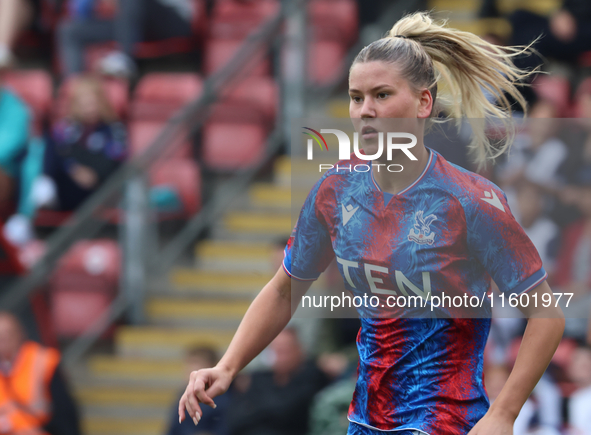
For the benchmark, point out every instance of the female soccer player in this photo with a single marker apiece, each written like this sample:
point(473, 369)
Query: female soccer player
point(433, 225)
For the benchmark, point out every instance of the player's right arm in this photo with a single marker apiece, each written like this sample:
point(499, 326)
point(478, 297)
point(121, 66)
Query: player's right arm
point(266, 317)
point(308, 253)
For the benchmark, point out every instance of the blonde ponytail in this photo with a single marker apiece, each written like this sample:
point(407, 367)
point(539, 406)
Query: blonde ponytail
point(428, 53)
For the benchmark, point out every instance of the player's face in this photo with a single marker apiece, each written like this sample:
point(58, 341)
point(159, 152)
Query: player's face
point(378, 93)
point(378, 90)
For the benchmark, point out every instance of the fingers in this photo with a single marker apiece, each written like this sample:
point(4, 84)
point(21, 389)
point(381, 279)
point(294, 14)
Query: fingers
point(182, 409)
point(193, 408)
point(189, 403)
point(195, 393)
point(200, 394)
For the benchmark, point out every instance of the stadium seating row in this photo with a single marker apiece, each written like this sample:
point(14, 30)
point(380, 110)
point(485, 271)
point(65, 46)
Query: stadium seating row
point(233, 137)
point(333, 28)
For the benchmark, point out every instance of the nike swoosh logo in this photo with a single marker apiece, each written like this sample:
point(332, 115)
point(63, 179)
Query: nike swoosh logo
point(493, 199)
point(348, 214)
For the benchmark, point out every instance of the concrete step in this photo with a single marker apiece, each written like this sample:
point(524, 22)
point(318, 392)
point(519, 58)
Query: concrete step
point(124, 426)
point(166, 342)
point(270, 224)
point(243, 285)
point(295, 172)
point(210, 313)
point(481, 27)
point(125, 396)
point(272, 196)
point(338, 108)
point(217, 249)
point(218, 255)
point(129, 411)
point(542, 7)
point(115, 367)
point(454, 5)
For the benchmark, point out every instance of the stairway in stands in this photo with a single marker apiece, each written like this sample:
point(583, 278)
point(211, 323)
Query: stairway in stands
point(133, 391)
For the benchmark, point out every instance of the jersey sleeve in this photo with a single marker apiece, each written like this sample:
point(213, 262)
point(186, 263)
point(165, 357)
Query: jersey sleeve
point(500, 244)
point(309, 249)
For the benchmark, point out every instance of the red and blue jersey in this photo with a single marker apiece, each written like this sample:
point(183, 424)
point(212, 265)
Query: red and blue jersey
point(450, 231)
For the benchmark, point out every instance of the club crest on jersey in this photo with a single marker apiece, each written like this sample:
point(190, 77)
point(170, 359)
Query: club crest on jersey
point(421, 232)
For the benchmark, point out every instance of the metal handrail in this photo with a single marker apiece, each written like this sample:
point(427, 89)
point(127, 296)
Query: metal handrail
point(194, 115)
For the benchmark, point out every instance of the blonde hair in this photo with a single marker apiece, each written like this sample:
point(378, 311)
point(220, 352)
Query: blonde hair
point(428, 53)
point(84, 84)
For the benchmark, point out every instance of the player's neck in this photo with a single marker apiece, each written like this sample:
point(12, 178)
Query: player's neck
point(395, 182)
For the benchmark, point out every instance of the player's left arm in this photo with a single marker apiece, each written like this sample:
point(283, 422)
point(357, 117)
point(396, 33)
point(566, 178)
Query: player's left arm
point(545, 326)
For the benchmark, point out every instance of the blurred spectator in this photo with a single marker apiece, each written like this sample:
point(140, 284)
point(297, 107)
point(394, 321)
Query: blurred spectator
point(135, 21)
point(572, 272)
point(328, 415)
point(14, 135)
point(537, 153)
point(33, 395)
point(563, 36)
point(579, 404)
point(85, 149)
point(15, 15)
point(540, 414)
point(577, 135)
point(529, 212)
point(277, 402)
point(213, 421)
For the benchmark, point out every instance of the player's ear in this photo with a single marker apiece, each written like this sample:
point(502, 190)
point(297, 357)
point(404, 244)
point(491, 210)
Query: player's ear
point(425, 104)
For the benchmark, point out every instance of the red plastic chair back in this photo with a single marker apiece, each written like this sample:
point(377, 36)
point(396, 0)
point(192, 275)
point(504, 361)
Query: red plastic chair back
point(158, 96)
point(232, 146)
point(35, 88)
point(184, 177)
point(143, 133)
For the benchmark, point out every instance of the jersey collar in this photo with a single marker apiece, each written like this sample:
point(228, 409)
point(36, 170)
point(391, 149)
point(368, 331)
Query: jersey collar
point(428, 166)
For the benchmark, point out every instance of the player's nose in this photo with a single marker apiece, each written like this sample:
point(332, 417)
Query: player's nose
point(368, 109)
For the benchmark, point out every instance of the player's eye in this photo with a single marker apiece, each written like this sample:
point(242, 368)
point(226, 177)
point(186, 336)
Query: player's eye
point(356, 99)
point(383, 95)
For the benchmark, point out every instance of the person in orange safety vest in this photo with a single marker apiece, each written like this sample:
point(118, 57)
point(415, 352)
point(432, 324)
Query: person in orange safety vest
point(34, 399)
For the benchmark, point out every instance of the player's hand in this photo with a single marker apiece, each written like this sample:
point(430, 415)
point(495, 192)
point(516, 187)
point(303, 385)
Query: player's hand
point(493, 425)
point(203, 386)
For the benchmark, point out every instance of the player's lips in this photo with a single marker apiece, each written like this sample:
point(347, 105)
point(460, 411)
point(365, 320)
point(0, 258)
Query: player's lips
point(368, 132)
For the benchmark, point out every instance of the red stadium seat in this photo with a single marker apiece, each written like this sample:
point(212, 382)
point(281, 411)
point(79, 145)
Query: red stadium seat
point(218, 53)
point(235, 134)
point(35, 88)
point(158, 96)
point(231, 146)
point(184, 177)
point(51, 218)
point(325, 61)
point(90, 265)
point(255, 93)
point(231, 22)
point(83, 285)
point(334, 20)
point(235, 20)
point(143, 133)
point(117, 91)
point(73, 311)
